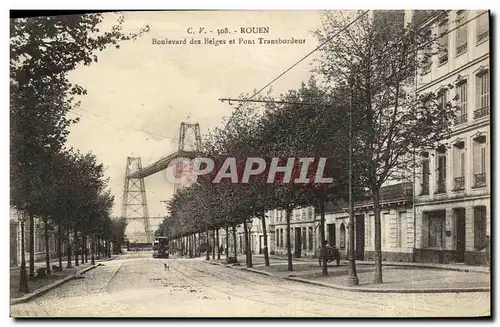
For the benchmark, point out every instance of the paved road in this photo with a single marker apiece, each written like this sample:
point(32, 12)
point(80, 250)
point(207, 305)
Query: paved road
point(139, 286)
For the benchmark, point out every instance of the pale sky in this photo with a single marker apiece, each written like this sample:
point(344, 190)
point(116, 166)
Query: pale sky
point(143, 86)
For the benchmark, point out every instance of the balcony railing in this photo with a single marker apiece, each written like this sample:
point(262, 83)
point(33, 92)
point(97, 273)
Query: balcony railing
point(479, 180)
point(482, 36)
point(459, 184)
point(425, 189)
point(461, 49)
point(443, 58)
point(485, 111)
point(460, 119)
point(441, 187)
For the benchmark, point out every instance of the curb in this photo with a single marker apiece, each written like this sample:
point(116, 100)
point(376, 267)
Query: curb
point(49, 287)
point(376, 290)
point(407, 264)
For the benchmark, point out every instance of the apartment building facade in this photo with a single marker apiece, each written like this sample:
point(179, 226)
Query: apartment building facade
point(441, 214)
point(453, 186)
point(39, 240)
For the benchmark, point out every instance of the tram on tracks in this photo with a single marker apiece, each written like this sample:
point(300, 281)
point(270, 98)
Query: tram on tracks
point(160, 247)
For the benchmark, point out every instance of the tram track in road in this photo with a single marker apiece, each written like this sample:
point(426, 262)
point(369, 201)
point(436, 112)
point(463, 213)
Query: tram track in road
point(242, 272)
point(318, 296)
point(292, 292)
point(248, 298)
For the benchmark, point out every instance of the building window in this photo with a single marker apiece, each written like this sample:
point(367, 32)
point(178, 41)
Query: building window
point(441, 170)
point(443, 42)
point(331, 234)
point(342, 236)
point(479, 161)
point(436, 227)
point(459, 166)
point(278, 238)
point(442, 100)
point(461, 103)
point(311, 237)
point(281, 238)
point(304, 238)
point(425, 174)
point(461, 32)
point(427, 53)
point(482, 28)
point(370, 228)
point(482, 95)
point(399, 228)
point(479, 227)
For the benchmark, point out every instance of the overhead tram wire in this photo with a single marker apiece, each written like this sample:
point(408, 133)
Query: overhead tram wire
point(303, 58)
point(377, 57)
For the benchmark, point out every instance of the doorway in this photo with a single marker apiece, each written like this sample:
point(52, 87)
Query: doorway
point(360, 237)
point(460, 232)
point(298, 243)
point(331, 234)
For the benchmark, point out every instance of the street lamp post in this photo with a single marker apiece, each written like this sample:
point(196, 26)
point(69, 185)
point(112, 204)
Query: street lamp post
point(23, 281)
point(352, 278)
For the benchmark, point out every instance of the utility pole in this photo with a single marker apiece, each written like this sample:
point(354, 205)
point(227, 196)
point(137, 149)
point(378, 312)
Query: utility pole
point(352, 278)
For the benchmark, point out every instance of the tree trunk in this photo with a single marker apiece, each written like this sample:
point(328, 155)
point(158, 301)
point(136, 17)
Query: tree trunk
point(218, 244)
point(199, 243)
point(234, 243)
point(250, 248)
point(207, 256)
point(288, 241)
point(213, 243)
point(32, 245)
point(194, 245)
point(59, 245)
point(227, 243)
point(108, 248)
point(247, 246)
point(182, 245)
point(68, 231)
point(378, 238)
point(77, 248)
point(47, 249)
point(245, 233)
point(266, 250)
point(23, 280)
point(322, 252)
point(85, 248)
point(92, 244)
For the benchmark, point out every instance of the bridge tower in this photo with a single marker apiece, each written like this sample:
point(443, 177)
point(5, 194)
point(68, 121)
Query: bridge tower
point(185, 126)
point(135, 205)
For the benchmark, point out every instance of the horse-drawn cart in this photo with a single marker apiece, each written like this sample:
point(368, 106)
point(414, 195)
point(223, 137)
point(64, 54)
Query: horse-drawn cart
point(332, 254)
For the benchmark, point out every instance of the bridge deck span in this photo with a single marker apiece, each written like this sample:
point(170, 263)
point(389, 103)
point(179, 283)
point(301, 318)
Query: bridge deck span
point(161, 164)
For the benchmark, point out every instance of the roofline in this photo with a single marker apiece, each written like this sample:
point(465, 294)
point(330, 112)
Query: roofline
point(434, 18)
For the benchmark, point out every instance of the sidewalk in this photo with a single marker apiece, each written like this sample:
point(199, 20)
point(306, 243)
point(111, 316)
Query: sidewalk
point(36, 284)
point(398, 277)
point(452, 266)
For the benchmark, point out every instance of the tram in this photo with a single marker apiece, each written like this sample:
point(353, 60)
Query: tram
point(160, 247)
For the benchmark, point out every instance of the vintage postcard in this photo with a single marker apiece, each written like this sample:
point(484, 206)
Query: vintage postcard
point(321, 163)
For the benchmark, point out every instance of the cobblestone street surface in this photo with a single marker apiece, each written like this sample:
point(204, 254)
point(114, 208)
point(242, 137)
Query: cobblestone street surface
point(137, 285)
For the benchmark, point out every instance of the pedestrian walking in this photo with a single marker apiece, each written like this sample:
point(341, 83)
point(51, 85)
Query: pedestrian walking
point(486, 246)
